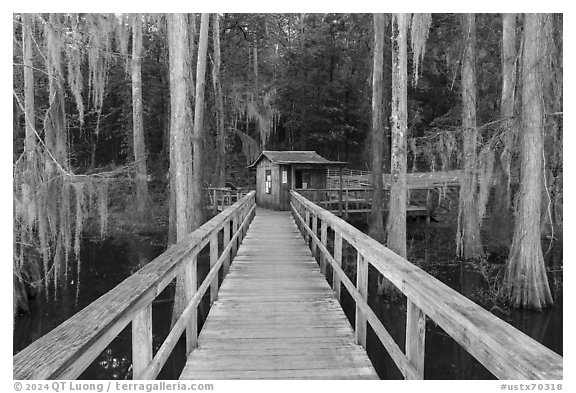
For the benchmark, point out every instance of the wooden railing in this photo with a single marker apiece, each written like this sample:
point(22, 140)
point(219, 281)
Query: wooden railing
point(354, 200)
point(342, 201)
point(415, 180)
point(66, 351)
point(501, 348)
point(220, 198)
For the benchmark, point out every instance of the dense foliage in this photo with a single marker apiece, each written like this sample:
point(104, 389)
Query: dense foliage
point(289, 82)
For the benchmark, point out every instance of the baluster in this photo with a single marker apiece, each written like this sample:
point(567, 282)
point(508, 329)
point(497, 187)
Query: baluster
point(141, 341)
point(190, 286)
point(324, 240)
point(213, 260)
point(415, 336)
point(338, 259)
point(362, 286)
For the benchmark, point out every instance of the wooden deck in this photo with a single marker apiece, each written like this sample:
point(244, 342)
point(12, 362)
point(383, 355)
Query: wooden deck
point(276, 317)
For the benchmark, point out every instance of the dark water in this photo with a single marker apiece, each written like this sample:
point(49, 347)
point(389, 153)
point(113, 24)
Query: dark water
point(104, 264)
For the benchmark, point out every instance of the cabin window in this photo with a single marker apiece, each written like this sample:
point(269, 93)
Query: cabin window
point(268, 182)
point(284, 176)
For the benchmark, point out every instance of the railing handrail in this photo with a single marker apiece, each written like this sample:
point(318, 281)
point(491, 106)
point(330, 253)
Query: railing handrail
point(502, 349)
point(66, 351)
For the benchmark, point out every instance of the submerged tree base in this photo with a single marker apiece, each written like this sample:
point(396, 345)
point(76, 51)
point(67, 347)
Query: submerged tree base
point(525, 283)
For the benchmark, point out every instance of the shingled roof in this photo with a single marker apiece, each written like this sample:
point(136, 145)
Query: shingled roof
point(295, 157)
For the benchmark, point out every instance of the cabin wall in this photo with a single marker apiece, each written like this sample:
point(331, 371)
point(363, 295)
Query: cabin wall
point(318, 178)
point(313, 177)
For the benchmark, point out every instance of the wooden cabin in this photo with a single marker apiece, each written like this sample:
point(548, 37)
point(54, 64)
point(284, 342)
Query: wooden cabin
point(278, 172)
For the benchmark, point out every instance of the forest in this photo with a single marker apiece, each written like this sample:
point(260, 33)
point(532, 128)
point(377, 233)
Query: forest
point(120, 121)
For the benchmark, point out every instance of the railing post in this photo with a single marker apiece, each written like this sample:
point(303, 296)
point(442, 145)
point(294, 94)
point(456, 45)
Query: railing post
point(213, 260)
point(141, 341)
point(215, 207)
point(338, 259)
point(224, 245)
point(315, 232)
point(190, 286)
point(340, 192)
point(415, 336)
point(324, 240)
point(346, 205)
point(362, 286)
point(306, 225)
point(234, 249)
point(428, 205)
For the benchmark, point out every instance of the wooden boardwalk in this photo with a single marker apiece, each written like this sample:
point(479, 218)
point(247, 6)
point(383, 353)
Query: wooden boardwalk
point(276, 317)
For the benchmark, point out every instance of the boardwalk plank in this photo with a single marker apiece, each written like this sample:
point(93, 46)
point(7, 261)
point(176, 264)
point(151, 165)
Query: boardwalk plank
point(276, 317)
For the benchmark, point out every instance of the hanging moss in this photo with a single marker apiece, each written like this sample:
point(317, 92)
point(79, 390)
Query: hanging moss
point(257, 109)
point(250, 147)
point(419, 28)
point(51, 203)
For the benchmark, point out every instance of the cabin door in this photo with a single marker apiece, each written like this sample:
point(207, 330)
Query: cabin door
point(285, 182)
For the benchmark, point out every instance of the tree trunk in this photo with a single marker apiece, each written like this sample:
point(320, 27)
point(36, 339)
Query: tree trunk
point(179, 142)
point(255, 65)
point(177, 41)
point(525, 282)
point(468, 241)
point(140, 180)
point(396, 226)
point(220, 135)
point(29, 113)
point(198, 136)
point(501, 207)
point(377, 134)
point(55, 133)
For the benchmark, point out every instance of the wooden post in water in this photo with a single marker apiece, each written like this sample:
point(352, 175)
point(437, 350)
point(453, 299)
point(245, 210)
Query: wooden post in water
point(415, 336)
point(213, 260)
point(324, 240)
point(141, 341)
point(338, 259)
point(190, 286)
point(362, 286)
point(224, 245)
